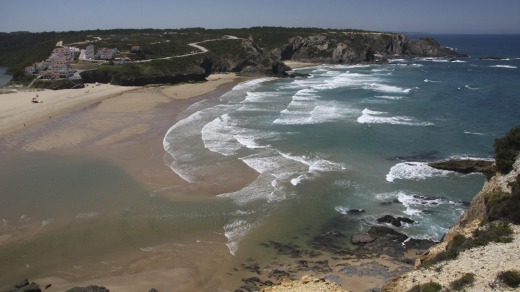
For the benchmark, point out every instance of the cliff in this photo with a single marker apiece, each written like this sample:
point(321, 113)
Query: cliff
point(445, 263)
point(258, 56)
point(361, 47)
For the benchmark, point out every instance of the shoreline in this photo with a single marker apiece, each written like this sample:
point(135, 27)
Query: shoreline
point(127, 130)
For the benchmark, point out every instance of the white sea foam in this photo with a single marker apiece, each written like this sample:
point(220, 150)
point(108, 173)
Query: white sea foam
point(87, 215)
point(504, 66)
point(219, 136)
point(252, 83)
point(468, 157)
point(414, 203)
point(235, 231)
point(399, 60)
point(376, 117)
point(47, 222)
point(387, 88)
point(431, 81)
point(414, 171)
point(471, 88)
point(436, 60)
point(390, 97)
point(474, 133)
point(260, 97)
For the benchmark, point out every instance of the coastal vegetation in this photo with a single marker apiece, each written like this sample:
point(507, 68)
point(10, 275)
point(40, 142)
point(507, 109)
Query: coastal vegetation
point(507, 149)
point(511, 278)
point(147, 56)
point(499, 232)
point(428, 287)
point(466, 280)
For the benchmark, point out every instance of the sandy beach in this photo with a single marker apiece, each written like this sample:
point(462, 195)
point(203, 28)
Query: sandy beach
point(123, 126)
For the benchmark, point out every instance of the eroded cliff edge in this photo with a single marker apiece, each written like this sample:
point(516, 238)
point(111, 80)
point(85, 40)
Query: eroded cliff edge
point(483, 243)
point(254, 55)
point(361, 47)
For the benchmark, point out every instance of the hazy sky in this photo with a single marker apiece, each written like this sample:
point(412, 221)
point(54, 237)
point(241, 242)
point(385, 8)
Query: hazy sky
point(434, 16)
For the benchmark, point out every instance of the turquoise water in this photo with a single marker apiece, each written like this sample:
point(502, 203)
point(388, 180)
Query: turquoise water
point(354, 137)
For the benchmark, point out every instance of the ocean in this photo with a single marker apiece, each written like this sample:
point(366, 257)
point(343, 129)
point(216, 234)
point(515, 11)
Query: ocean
point(350, 137)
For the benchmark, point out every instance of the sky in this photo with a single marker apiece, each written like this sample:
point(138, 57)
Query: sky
point(437, 16)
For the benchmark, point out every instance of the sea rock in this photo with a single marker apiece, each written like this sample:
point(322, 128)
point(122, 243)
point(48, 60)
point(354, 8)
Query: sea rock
point(406, 220)
point(361, 238)
point(397, 222)
point(92, 288)
point(492, 58)
point(466, 166)
point(25, 286)
point(389, 219)
point(429, 47)
point(361, 47)
point(355, 212)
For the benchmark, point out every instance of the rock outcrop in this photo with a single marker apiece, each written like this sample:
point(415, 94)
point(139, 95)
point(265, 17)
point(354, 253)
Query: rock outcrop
point(361, 47)
point(306, 283)
point(486, 261)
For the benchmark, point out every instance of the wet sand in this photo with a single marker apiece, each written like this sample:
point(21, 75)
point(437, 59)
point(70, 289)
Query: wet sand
point(118, 135)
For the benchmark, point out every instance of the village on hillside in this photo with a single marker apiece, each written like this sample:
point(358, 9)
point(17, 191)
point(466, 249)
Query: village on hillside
point(60, 64)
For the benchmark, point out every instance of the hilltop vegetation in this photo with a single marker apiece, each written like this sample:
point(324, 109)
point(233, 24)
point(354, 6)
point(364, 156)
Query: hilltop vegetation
point(257, 50)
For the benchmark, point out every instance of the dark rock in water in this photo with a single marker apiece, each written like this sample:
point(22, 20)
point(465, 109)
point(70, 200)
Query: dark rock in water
point(153, 290)
point(321, 267)
point(492, 58)
point(417, 156)
point(406, 220)
point(387, 232)
point(355, 212)
point(388, 241)
point(268, 283)
point(22, 283)
point(419, 243)
point(251, 280)
point(250, 288)
point(361, 238)
point(25, 286)
point(389, 219)
point(92, 288)
point(294, 75)
point(278, 274)
point(465, 166)
point(252, 267)
point(291, 250)
point(397, 222)
point(49, 285)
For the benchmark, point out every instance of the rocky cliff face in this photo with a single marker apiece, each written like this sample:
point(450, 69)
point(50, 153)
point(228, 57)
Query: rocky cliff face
point(485, 262)
point(245, 56)
point(359, 47)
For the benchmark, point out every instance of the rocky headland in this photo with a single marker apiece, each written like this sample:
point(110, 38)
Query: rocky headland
point(252, 56)
point(484, 262)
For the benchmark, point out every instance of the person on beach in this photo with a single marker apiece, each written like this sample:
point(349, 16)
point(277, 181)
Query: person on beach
point(36, 100)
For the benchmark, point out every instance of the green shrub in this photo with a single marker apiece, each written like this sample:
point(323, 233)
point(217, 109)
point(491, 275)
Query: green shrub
point(507, 149)
point(511, 278)
point(504, 206)
point(466, 280)
point(499, 232)
point(428, 287)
